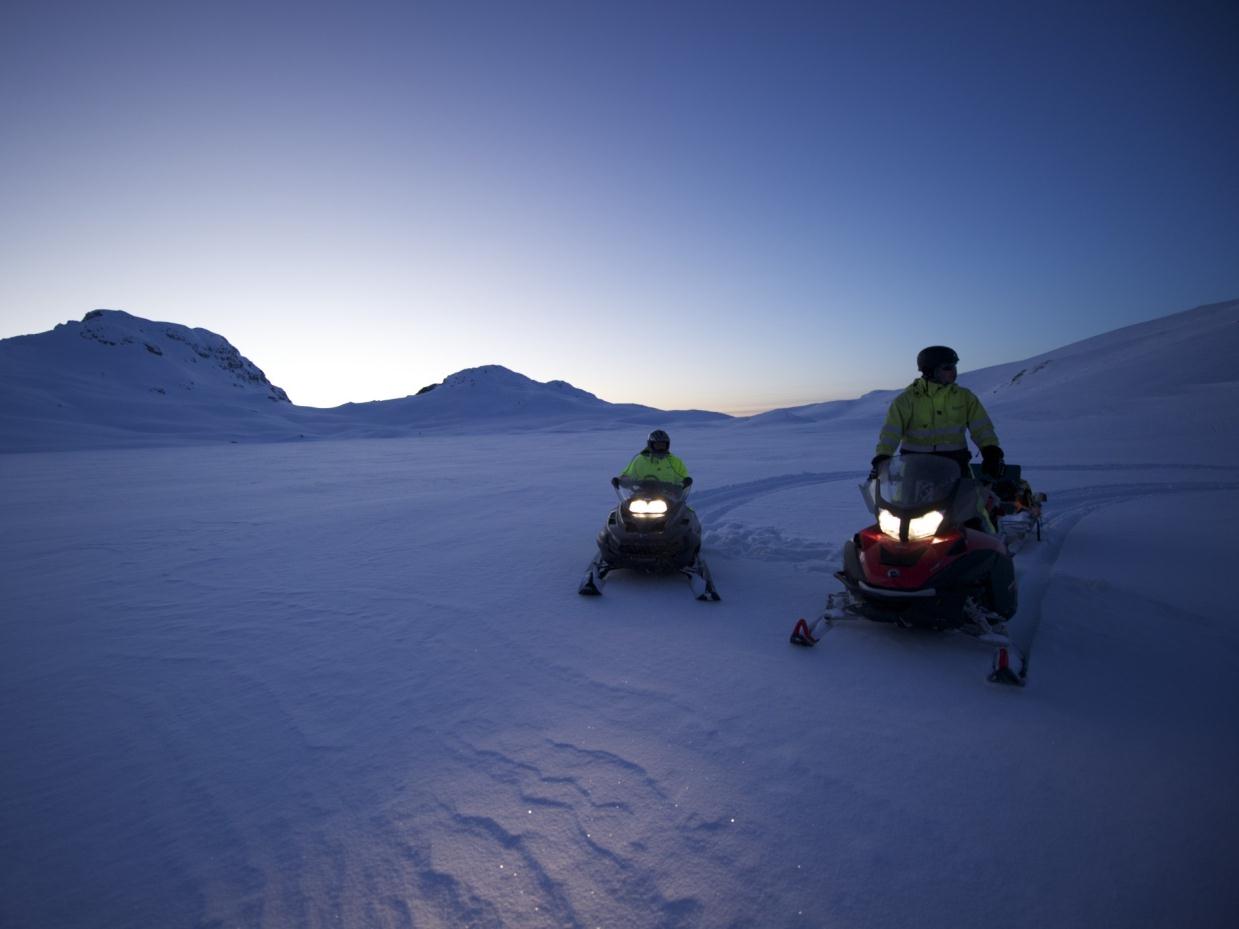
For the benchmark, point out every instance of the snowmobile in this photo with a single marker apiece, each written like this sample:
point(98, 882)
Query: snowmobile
point(927, 563)
point(653, 531)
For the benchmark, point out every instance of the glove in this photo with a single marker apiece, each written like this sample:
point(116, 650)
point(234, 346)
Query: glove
point(991, 461)
point(875, 464)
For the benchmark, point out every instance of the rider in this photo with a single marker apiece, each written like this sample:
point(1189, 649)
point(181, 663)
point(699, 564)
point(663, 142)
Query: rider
point(656, 461)
point(930, 417)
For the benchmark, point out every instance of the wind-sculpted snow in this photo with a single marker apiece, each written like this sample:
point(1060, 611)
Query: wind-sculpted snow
point(565, 834)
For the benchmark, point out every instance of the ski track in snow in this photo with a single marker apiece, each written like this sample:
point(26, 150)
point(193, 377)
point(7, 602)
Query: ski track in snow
point(1065, 510)
point(718, 502)
point(766, 543)
point(733, 539)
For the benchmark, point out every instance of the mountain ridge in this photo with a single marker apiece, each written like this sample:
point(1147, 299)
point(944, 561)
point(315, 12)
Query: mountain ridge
point(117, 380)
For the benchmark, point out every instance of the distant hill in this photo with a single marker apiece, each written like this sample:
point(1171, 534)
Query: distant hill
point(115, 380)
point(110, 350)
point(1180, 372)
point(1168, 356)
point(494, 395)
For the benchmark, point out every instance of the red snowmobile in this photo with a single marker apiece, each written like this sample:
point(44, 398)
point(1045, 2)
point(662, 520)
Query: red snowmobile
point(927, 562)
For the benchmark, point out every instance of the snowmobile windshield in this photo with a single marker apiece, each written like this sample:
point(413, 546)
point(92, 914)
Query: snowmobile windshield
point(917, 482)
point(649, 488)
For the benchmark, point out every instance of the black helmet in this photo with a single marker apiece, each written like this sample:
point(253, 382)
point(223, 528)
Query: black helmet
point(930, 358)
point(658, 442)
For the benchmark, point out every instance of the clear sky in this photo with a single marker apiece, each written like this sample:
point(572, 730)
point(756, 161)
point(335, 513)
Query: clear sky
point(734, 206)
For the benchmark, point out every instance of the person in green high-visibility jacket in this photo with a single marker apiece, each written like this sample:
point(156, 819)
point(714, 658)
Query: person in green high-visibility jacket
point(932, 415)
point(656, 461)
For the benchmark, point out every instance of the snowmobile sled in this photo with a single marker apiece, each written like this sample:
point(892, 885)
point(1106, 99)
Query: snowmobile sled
point(923, 565)
point(1013, 506)
point(654, 531)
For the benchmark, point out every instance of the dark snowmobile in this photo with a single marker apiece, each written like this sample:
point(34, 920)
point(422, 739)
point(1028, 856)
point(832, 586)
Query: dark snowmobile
point(923, 564)
point(653, 531)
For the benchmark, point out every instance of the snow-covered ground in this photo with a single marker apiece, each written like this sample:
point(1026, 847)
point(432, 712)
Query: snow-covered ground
point(350, 682)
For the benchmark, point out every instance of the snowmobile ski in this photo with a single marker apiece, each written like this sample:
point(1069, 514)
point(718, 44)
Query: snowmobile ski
point(801, 634)
point(808, 634)
point(1009, 667)
point(1009, 664)
point(700, 580)
point(595, 578)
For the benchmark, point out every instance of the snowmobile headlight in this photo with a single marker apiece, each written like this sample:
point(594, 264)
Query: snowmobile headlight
point(647, 508)
point(923, 527)
point(888, 522)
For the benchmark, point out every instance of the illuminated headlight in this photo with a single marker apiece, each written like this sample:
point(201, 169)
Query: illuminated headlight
point(647, 508)
point(888, 522)
point(922, 527)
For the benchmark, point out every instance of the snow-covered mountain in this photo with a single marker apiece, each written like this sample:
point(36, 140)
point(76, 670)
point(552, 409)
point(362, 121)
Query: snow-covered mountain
point(1181, 371)
point(493, 395)
point(112, 352)
point(115, 380)
point(1162, 359)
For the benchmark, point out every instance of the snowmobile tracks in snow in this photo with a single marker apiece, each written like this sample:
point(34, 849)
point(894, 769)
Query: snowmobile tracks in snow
point(765, 543)
point(1065, 509)
point(718, 502)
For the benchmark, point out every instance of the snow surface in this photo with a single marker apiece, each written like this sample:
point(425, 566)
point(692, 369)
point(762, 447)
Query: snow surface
point(350, 683)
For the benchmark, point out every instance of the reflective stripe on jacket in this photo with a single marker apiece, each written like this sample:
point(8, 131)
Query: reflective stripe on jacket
point(931, 417)
point(667, 468)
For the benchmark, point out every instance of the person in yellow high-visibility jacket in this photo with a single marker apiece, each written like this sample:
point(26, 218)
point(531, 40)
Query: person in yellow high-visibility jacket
point(656, 461)
point(931, 416)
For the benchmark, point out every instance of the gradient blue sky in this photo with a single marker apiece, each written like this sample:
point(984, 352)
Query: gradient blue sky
point(734, 206)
